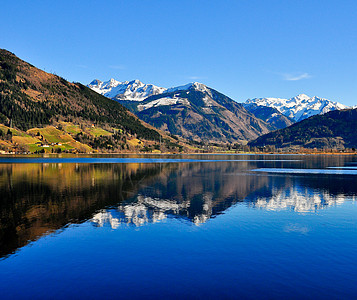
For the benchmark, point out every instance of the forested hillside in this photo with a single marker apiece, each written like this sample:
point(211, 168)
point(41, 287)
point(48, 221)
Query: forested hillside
point(31, 98)
point(336, 129)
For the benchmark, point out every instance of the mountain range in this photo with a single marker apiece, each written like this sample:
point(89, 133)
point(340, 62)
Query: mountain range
point(294, 109)
point(297, 108)
point(193, 111)
point(133, 90)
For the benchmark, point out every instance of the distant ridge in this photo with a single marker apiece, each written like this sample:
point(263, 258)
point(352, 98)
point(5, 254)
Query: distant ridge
point(298, 108)
point(335, 129)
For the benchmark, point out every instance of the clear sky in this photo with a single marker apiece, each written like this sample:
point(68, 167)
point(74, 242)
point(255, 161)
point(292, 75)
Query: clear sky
point(244, 49)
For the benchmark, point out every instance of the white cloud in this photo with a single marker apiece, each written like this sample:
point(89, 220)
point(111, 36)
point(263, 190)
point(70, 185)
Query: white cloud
point(295, 77)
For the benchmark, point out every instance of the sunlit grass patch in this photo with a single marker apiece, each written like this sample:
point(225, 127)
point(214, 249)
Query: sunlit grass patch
point(134, 142)
point(24, 140)
point(52, 135)
point(95, 131)
point(73, 129)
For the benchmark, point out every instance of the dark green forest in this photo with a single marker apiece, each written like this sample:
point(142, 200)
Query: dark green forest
point(57, 99)
point(334, 129)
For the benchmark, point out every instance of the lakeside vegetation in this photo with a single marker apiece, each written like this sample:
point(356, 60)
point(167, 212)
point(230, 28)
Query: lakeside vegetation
point(67, 137)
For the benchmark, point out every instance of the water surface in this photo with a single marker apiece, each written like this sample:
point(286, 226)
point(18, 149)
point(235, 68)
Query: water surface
point(204, 226)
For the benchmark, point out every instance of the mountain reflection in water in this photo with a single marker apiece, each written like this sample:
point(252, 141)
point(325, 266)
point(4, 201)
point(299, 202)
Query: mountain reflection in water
point(145, 209)
point(37, 199)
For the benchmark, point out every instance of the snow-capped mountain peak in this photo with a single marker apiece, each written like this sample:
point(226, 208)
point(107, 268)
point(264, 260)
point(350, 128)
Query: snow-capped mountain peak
point(179, 88)
point(299, 107)
point(200, 87)
point(113, 82)
point(193, 85)
point(133, 90)
point(96, 82)
point(302, 97)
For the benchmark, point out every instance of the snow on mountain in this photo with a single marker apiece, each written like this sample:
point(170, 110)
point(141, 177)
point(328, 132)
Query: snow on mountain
point(179, 88)
point(162, 102)
point(193, 85)
point(198, 112)
point(269, 114)
point(300, 107)
point(297, 108)
point(133, 90)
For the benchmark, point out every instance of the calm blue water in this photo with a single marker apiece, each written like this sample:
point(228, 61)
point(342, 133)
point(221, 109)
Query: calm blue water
point(235, 226)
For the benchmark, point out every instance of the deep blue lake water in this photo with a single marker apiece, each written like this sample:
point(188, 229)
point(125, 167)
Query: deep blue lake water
point(178, 227)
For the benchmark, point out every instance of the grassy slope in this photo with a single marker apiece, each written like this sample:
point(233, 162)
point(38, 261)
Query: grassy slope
point(34, 139)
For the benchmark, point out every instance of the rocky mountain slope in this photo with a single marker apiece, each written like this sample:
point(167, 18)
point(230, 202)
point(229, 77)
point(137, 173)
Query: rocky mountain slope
point(197, 112)
point(193, 111)
point(298, 108)
point(276, 112)
point(269, 114)
point(336, 129)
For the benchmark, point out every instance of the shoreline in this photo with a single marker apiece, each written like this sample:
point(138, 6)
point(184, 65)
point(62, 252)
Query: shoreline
point(178, 154)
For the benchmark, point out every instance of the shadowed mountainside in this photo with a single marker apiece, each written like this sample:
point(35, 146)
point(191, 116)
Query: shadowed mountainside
point(335, 129)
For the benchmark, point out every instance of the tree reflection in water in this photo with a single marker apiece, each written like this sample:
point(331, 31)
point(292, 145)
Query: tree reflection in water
point(37, 199)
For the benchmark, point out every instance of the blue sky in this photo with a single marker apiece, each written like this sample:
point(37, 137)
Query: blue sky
point(244, 49)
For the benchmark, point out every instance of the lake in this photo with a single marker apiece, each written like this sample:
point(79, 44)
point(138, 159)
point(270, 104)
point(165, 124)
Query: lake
point(178, 227)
